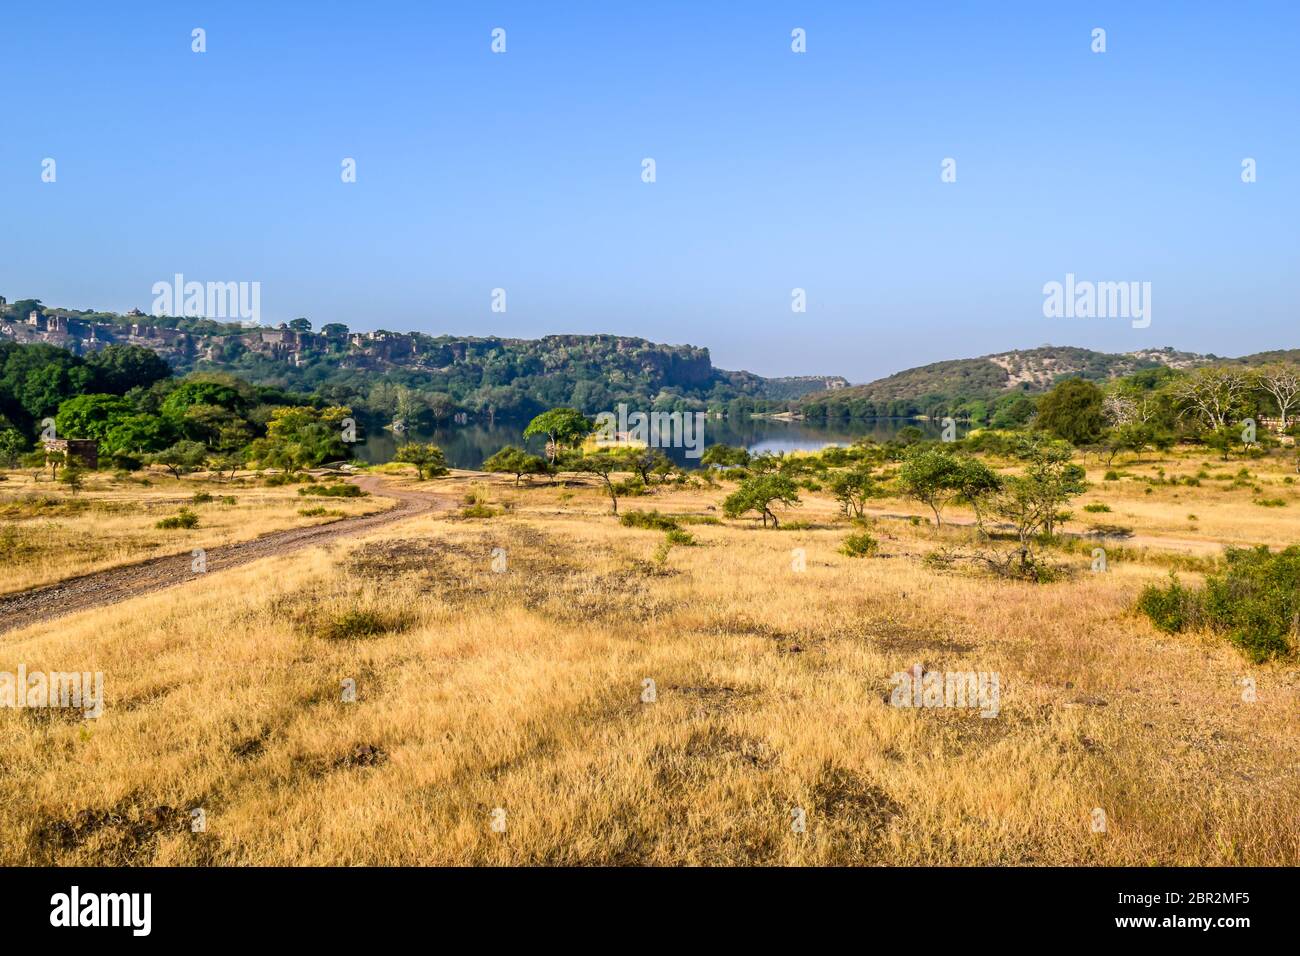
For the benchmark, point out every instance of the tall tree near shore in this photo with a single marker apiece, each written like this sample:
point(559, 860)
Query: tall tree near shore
point(561, 426)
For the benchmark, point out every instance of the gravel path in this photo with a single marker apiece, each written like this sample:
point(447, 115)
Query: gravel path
point(102, 588)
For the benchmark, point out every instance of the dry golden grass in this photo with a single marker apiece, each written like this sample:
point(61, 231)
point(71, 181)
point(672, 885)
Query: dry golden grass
point(522, 690)
point(48, 534)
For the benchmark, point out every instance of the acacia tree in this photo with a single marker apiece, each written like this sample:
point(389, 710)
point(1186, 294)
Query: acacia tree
point(649, 463)
point(758, 493)
point(561, 426)
point(852, 488)
point(427, 458)
point(603, 464)
point(931, 475)
point(515, 461)
point(1281, 380)
point(1032, 500)
point(181, 457)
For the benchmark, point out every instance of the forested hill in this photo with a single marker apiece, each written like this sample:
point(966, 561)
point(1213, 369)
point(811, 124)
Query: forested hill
point(491, 377)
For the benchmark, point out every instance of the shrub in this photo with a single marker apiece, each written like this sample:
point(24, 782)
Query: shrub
point(478, 511)
point(285, 478)
point(1271, 502)
point(859, 545)
point(201, 498)
point(333, 491)
point(319, 512)
point(1254, 601)
point(1097, 507)
point(185, 518)
point(1171, 608)
point(1111, 476)
point(677, 536)
point(648, 520)
point(632, 488)
point(361, 622)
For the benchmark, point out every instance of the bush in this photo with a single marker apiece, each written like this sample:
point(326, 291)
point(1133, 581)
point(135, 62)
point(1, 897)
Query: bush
point(1096, 507)
point(632, 488)
point(677, 536)
point(861, 545)
point(1171, 608)
point(478, 511)
point(319, 512)
point(333, 491)
point(361, 622)
point(1111, 476)
point(1271, 502)
point(649, 521)
point(185, 518)
point(1254, 601)
point(285, 478)
point(201, 498)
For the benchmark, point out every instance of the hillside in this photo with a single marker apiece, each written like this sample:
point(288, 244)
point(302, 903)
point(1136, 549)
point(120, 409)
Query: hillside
point(956, 382)
point(491, 376)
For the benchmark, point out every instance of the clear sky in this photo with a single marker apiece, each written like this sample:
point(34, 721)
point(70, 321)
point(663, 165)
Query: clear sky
point(775, 170)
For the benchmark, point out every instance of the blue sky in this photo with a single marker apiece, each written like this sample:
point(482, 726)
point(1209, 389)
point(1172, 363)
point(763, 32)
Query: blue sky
point(775, 170)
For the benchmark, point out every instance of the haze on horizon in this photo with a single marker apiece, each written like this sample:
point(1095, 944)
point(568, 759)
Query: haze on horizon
point(775, 170)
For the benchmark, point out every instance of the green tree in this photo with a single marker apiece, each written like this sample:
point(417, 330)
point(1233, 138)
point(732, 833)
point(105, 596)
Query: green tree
point(650, 463)
point(515, 461)
point(603, 464)
point(1032, 500)
point(1073, 411)
point(12, 445)
point(561, 426)
point(932, 475)
point(120, 368)
point(428, 459)
point(91, 416)
point(138, 434)
point(723, 456)
point(758, 493)
point(182, 457)
point(852, 488)
point(73, 477)
point(300, 436)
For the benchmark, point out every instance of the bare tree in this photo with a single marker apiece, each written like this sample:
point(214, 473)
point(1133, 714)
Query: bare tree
point(1212, 394)
point(1119, 409)
point(1282, 381)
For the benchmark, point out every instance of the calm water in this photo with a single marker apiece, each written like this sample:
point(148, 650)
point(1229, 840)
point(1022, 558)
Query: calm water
point(467, 446)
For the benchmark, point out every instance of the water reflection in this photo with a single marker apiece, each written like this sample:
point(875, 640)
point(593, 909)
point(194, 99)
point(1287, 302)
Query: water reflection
point(466, 446)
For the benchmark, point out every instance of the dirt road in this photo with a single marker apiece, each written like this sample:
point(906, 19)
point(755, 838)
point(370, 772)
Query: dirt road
point(119, 584)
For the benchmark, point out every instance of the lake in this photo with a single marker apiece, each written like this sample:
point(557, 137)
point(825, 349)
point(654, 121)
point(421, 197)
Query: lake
point(466, 446)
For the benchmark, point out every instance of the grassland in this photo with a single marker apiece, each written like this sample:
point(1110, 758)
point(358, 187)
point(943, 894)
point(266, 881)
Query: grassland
point(520, 689)
point(48, 534)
